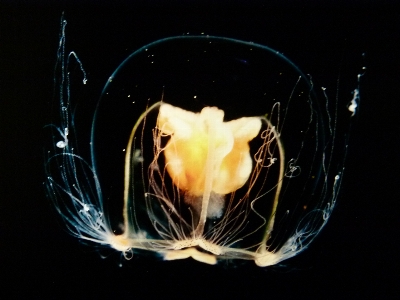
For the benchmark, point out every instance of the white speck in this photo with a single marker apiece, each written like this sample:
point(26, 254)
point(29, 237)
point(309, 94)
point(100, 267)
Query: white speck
point(354, 102)
point(61, 144)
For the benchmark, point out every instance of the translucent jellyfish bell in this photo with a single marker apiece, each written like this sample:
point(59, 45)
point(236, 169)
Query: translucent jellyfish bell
point(203, 147)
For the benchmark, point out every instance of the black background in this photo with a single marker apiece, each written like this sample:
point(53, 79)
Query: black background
point(355, 257)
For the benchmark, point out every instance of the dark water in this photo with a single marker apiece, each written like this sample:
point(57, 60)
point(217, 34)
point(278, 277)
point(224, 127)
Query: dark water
point(353, 256)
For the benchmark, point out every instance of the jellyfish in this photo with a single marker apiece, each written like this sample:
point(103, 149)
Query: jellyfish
point(200, 146)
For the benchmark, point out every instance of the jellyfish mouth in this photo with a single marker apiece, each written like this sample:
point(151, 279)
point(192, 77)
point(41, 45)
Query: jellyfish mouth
point(215, 208)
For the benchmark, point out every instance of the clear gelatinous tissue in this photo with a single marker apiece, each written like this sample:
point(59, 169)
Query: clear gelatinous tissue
point(200, 146)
